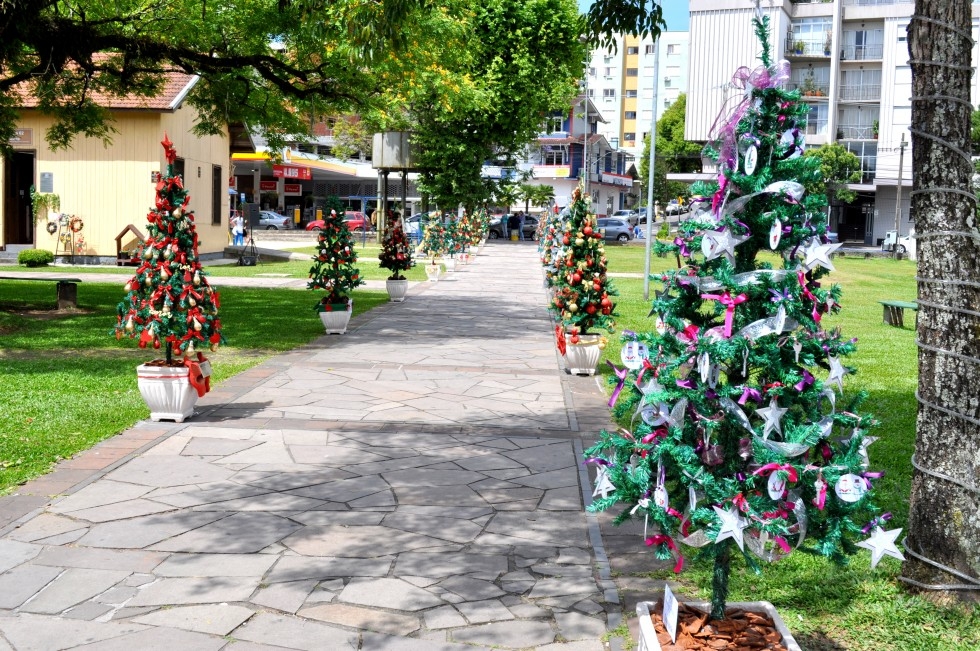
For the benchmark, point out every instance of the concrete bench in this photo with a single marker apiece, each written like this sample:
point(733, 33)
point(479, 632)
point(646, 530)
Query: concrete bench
point(893, 312)
point(67, 289)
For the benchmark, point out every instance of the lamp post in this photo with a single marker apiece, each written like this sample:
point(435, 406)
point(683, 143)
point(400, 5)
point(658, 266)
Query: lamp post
point(651, 214)
point(585, 138)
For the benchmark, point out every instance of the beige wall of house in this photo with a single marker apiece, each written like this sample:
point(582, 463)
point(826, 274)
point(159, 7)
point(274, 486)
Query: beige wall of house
point(111, 187)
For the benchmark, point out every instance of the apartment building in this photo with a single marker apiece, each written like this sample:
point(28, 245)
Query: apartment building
point(620, 83)
point(849, 58)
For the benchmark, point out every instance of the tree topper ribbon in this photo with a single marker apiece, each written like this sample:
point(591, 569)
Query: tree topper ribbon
point(729, 302)
point(723, 129)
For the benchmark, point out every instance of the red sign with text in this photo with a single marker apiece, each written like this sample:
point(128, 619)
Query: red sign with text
point(292, 172)
point(268, 186)
point(292, 188)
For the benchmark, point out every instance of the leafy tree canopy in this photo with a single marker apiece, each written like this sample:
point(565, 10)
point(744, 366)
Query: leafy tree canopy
point(838, 167)
point(268, 63)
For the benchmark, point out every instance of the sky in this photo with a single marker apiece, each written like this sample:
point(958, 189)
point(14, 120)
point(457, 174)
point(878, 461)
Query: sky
point(675, 13)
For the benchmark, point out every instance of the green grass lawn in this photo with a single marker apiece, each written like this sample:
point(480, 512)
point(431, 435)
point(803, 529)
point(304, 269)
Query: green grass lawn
point(832, 608)
point(67, 383)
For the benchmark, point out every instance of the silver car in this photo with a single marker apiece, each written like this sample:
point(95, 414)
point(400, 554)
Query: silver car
point(273, 221)
point(614, 228)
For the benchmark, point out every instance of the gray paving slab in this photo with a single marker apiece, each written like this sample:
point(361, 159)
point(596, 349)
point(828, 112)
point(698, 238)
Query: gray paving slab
point(389, 593)
point(286, 597)
point(251, 565)
point(157, 639)
point(363, 618)
point(215, 619)
point(508, 635)
point(45, 633)
point(23, 582)
point(381, 642)
point(195, 590)
point(297, 632)
point(13, 553)
point(241, 533)
point(72, 587)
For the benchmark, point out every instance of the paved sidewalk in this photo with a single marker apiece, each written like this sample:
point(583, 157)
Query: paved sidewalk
point(413, 484)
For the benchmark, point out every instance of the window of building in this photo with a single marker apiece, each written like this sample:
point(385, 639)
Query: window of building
point(555, 122)
point(554, 155)
point(812, 32)
point(632, 50)
point(592, 72)
point(607, 59)
point(608, 71)
point(667, 82)
point(591, 93)
point(179, 167)
point(632, 72)
point(816, 121)
point(862, 44)
point(630, 115)
point(672, 48)
point(608, 93)
point(649, 49)
point(631, 93)
point(217, 191)
point(630, 137)
point(668, 102)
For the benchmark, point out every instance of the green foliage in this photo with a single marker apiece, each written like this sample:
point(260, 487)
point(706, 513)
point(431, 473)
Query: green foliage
point(975, 131)
point(42, 202)
point(35, 257)
point(608, 18)
point(518, 63)
point(333, 267)
point(838, 167)
point(169, 301)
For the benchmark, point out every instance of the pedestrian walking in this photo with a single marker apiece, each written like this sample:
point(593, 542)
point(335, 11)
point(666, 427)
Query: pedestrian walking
point(514, 225)
point(238, 230)
point(521, 218)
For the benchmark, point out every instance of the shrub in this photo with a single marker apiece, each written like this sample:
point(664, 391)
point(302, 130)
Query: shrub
point(35, 257)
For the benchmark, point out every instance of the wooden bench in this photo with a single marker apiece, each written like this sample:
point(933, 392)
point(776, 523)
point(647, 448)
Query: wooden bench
point(893, 312)
point(67, 289)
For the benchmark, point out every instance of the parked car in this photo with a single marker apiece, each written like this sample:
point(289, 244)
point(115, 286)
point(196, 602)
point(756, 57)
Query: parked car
point(273, 221)
point(629, 215)
point(674, 207)
point(496, 230)
point(357, 222)
point(614, 228)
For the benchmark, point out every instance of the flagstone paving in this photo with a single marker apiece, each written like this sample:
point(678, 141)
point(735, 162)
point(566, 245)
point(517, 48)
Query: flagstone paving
point(414, 484)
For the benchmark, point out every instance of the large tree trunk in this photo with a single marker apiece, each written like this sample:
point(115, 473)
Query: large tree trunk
point(944, 520)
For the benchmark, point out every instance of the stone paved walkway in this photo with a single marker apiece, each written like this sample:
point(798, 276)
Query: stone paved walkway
point(414, 484)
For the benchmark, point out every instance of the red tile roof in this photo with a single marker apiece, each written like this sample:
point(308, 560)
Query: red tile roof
point(175, 87)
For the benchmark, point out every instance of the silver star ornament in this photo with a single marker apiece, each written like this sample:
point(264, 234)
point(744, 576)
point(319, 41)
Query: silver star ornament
point(773, 415)
point(732, 525)
point(717, 243)
point(837, 373)
point(882, 543)
point(818, 255)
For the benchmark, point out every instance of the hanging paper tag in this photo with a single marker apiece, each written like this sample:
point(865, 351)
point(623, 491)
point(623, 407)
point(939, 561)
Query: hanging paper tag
point(775, 234)
point(660, 497)
point(704, 366)
point(751, 160)
point(851, 488)
point(660, 325)
point(633, 354)
point(797, 347)
point(776, 486)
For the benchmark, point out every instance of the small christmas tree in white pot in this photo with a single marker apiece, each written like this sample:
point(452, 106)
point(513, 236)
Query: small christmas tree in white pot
point(169, 304)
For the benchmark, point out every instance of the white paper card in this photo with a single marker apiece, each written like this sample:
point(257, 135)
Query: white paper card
point(670, 613)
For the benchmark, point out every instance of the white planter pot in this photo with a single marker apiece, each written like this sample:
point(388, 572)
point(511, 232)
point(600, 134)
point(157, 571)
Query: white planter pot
point(397, 289)
point(582, 358)
point(450, 264)
point(648, 634)
point(335, 321)
point(167, 391)
point(433, 272)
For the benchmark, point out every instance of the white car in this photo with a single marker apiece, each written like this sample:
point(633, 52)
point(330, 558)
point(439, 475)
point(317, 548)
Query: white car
point(905, 245)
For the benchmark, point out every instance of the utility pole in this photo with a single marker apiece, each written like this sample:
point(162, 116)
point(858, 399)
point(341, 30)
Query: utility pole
point(651, 209)
point(585, 141)
point(898, 194)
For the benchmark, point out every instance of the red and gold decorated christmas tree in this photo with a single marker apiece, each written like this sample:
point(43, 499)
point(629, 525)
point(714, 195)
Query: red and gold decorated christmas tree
point(333, 267)
point(169, 301)
point(396, 253)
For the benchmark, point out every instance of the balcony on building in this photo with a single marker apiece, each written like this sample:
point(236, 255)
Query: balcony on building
point(856, 132)
point(860, 92)
point(803, 48)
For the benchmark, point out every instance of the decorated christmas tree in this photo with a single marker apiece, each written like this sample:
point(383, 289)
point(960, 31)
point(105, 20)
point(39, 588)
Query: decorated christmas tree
point(396, 253)
point(169, 302)
point(581, 291)
point(434, 240)
point(333, 267)
point(737, 442)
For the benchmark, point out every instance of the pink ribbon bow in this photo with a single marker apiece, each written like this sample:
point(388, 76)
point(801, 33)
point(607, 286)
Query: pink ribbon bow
point(773, 467)
point(729, 302)
point(664, 539)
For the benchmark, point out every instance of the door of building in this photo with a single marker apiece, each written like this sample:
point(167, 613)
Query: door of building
point(18, 215)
